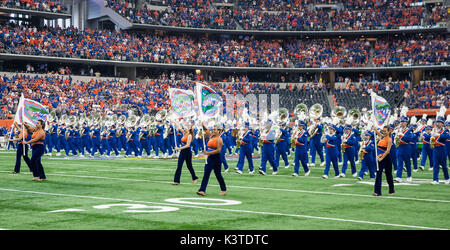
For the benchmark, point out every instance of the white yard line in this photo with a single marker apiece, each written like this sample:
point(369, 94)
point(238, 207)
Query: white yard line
point(229, 210)
point(255, 188)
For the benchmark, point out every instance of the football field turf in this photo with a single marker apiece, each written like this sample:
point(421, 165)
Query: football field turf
point(137, 194)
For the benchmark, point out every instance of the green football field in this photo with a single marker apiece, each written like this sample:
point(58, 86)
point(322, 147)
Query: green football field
point(137, 194)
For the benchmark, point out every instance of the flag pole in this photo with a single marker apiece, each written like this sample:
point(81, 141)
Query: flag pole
point(23, 136)
point(372, 97)
point(376, 148)
point(204, 144)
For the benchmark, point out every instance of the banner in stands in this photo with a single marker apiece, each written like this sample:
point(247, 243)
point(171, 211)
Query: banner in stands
point(429, 112)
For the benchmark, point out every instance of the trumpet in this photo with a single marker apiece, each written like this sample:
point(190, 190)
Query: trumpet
point(433, 138)
point(342, 147)
point(294, 137)
point(362, 152)
point(239, 138)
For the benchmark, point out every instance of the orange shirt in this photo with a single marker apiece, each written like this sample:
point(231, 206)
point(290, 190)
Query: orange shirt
point(212, 144)
point(184, 139)
point(41, 141)
point(383, 142)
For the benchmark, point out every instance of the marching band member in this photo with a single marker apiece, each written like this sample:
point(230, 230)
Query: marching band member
point(394, 151)
point(104, 142)
point(77, 141)
point(62, 142)
point(96, 145)
point(427, 152)
point(143, 140)
point(255, 140)
point(85, 138)
point(245, 150)
point(224, 150)
point(301, 151)
point(37, 146)
point(228, 140)
point(53, 138)
point(11, 143)
point(384, 161)
point(185, 155)
point(133, 142)
point(348, 144)
point(330, 140)
point(282, 146)
point(404, 136)
point(447, 142)
point(413, 145)
point(112, 140)
point(159, 140)
point(24, 135)
point(366, 156)
point(47, 143)
point(440, 135)
point(357, 145)
point(268, 149)
point(213, 148)
point(123, 139)
point(339, 132)
point(315, 143)
point(195, 144)
point(71, 141)
point(169, 141)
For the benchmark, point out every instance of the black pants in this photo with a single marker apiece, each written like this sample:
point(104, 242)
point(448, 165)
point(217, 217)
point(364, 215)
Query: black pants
point(214, 163)
point(185, 155)
point(19, 155)
point(36, 165)
point(386, 165)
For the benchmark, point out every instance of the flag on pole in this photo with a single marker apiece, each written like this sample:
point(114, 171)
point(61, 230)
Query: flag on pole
point(181, 102)
point(381, 109)
point(209, 101)
point(30, 112)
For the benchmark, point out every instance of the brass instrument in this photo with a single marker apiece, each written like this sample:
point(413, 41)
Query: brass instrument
point(239, 138)
point(339, 112)
point(300, 109)
point(67, 134)
point(315, 112)
point(161, 115)
point(284, 115)
point(397, 137)
point(166, 131)
point(72, 120)
point(120, 121)
point(362, 152)
point(294, 136)
point(234, 132)
point(433, 139)
point(108, 121)
point(355, 114)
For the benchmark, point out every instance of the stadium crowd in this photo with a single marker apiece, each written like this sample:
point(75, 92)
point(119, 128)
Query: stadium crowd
point(283, 15)
point(238, 52)
point(40, 5)
point(400, 51)
point(429, 94)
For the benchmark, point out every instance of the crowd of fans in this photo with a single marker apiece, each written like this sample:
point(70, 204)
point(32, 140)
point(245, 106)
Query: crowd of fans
point(328, 53)
point(55, 6)
point(429, 94)
point(401, 51)
point(238, 52)
point(120, 45)
point(293, 15)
